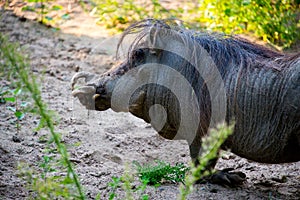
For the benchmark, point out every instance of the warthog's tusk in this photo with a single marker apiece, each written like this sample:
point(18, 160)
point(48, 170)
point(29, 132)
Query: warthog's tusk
point(84, 90)
point(96, 96)
point(86, 75)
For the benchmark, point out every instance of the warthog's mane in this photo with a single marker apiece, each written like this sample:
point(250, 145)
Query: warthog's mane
point(224, 49)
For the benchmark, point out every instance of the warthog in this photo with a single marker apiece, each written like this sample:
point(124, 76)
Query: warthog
point(183, 82)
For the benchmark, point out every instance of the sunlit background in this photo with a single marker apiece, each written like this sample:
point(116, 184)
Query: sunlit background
point(273, 21)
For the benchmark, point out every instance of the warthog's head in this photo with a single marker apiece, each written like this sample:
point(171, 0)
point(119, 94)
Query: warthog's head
point(94, 94)
point(117, 85)
point(154, 69)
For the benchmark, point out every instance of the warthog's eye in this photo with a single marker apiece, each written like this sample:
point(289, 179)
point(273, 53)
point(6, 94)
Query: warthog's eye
point(138, 54)
point(137, 57)
point(153, 52)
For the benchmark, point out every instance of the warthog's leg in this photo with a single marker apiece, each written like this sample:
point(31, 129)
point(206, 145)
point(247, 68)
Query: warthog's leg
point(223, 177)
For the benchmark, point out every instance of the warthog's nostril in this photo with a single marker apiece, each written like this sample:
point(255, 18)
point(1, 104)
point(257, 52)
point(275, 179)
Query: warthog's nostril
point(101, 90)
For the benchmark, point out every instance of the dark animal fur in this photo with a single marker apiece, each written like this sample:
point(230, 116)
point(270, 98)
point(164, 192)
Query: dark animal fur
point(223, 48)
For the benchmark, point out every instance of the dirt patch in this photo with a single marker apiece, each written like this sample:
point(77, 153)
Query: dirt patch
point(107, 140)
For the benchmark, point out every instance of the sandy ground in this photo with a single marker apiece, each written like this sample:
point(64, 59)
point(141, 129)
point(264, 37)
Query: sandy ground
point(107, 140)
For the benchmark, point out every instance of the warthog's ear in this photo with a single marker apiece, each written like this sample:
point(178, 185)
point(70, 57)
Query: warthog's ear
point(165, 39)
point(156, 38)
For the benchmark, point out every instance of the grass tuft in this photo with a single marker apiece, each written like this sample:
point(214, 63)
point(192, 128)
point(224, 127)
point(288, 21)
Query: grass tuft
point(161, 172)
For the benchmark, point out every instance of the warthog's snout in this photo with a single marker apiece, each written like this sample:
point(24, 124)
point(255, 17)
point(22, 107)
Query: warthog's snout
point(93, 94)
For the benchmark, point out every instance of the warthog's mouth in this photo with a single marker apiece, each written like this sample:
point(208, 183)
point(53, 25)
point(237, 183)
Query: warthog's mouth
point(102, 102)
point(87, 94)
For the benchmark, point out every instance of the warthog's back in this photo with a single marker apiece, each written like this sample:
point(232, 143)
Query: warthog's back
point(267, 113)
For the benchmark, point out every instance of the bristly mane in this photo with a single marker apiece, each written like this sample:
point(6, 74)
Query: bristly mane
point(221, 47)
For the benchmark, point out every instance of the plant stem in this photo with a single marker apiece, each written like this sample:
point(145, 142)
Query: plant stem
point(21, 68)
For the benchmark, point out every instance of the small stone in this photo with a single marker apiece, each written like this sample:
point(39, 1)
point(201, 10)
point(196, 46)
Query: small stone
point(77, 68)
point(213, 190)
point(283, 179)
point(251, 168)
point(16, 139)
point(265, 183)
point(98, 175)
point(74, 160)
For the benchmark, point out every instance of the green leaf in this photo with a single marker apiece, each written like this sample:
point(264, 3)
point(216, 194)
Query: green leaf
point(57, 7)
point(10, 99)
point(227, 12)
point(46, 159)
point(67, 180)
point(17, 91)
point(3, 91)
point(52, 169)
point(145, 197)
point(41, 125)
point(24, 104)
point(48, 18)
point(246, 2)
point(11, 108)
point(65, 16)
point(98, 196)
point(20, 115)
point(55, 29)
point(28, 8)
point(112, 196)
point(42, 139)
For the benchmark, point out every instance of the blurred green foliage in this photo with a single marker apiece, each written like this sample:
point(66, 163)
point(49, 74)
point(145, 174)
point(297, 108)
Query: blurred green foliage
point(118, 14)
point(274, 21)
point(47, 13)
